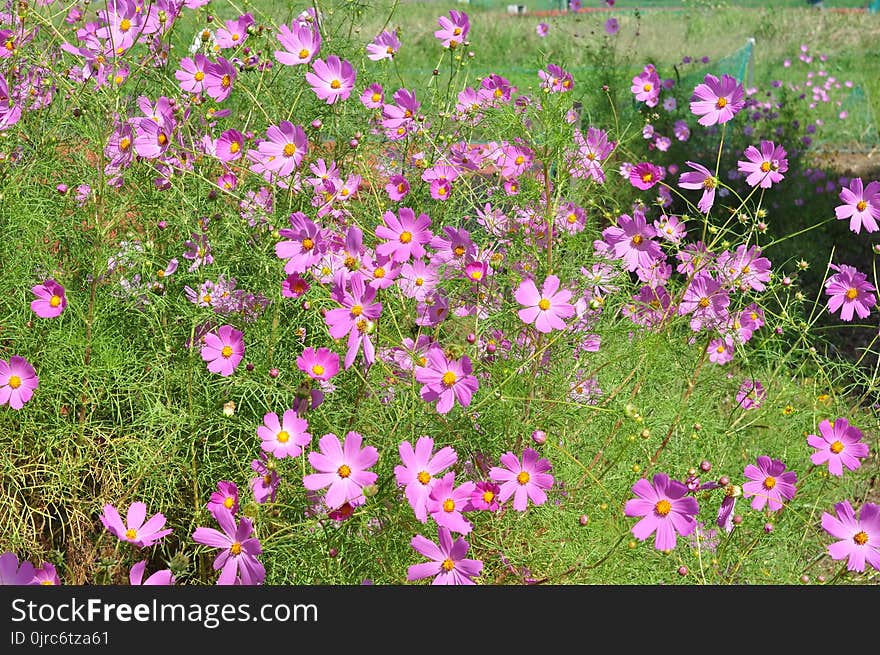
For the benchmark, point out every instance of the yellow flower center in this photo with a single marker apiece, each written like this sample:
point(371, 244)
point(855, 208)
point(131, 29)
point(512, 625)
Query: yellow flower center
point(523, 477)
point(289, 150)
point(721, 103)
point(424, 477)
point(226, 352)
point(442, 191)
point(234, 147)
point(362, 325)
point(646, 87)
point(447, 564)
point(519, 160)
point(861, 205)
point(55, 301)
point(283, 436)
point(765, 167)
point(375, 97)
point(572, 218)
point(852, 293)
point(710, 183)
point(225, 81)
point(228, 502)
point(647, 177)
point(488, 496)
point(477, 274)
point(124, 25)
point(448, 505)
point(861, 538)
point(131, 534)
point(379, 272)
point(420, 281)
point(449, 378)
point(235, 37)
point(199, 76)
point(162, 139)
point(637, 239)
point(543, 304)
point(457, 31)
point(343, 471)
point(357, 310)
point(769, 482)
point(307, 244)
point(719, 349)
point(335, 84)
point(14, 381)
point(124, 143)
point(206, 299)
point(405, 237)
point(47, 582)
point(304, 54)
point(235, 548)
point(837, 447)
point(663, 507)
point(317, 369)
point(704, 302)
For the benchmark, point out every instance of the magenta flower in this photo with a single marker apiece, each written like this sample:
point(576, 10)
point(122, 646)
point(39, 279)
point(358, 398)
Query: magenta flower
point(223, 350)
point(765, 167)
point(234, 32)
point(645, 175)
point(769, 483)
point(837, 445)
point(447, 503)
point(284, 438)
point(191, 73)
point(356, 318)
point(11, 573)
point(556, 79)
point(135, 530)
point(700, 178)
point(861, 205)
point(525, 479)
point(453, 30)
point(548, 308)
point(18, 379)
point(229, 146)
point(448, 563)
point(848, 290)
point(646, 86)
point(265, 485)
point(397, 187)
point(542, 29)
point(717, 101)
point(418, 471)
point(226, 498)
point(50, 299)
point(219, 76)
point(751, 394)
point(405, 235)
point(238, 557)
point(485, 497)
point(320, 364)
point(342, 468)
point(136, 576)
point(706, 300)
point(859, 536)
point(300, 43)
point(331, 80)
point(666, 508)
point(46, 575)
point(721, 350)
point(632, 240)
point(446, 380)
point(283, 149)
point(384, 46)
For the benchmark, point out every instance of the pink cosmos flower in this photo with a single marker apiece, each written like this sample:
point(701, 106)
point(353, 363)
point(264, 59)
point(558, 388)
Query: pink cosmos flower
point(765, 167)
point(667, 509)
point(373, 96)
point(485, 497)
point(418, 470)
point(284, 148)
point(644, 175)
point(234, 31)
point(265, 485)
point(226, 497)
point(331, 80)
point(632, 240)
point(700, 178)
point(751, 394)
point(453, 30)
point(721, 350)
point(542, 29)
point(18, 380)
point(135, 530)
point(769, 483)
point(591, 151)
point(163, 577)
point(556, 79)
point(223, 350)
point(548, 308)
point(717, 100)
point(646, 86)
point(11, 573)
point(342, 468)
point(525, 479)
point(284, 438)
point(849, 291)
point(384, 46)
point(239, 550)
point(448, 564)
point(320, 364)
point(706, 300)
point(46, 575)
point(304, 244)
point(356, 318)
point(191, 73)
point(405, 235)
point(447, 503)
point(50, 301)
point(219, 76)
point(840, 445)
point(446, 380)
point(859, 536)
point(300, 43)
point(229, 146)
point(397, 187)
point(861, 205)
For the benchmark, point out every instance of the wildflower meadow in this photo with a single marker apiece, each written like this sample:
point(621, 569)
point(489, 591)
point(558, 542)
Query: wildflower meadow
point(383, 292)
